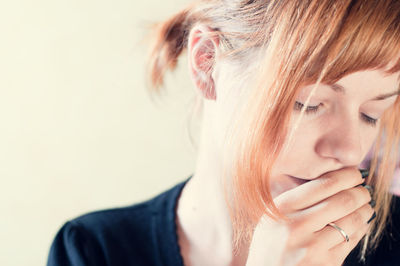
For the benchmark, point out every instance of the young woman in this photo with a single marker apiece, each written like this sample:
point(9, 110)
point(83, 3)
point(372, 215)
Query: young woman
point(294, 93)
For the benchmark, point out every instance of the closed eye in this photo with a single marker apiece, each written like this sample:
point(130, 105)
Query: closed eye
point(369, 120)
point(310, 109)
point(313, 109)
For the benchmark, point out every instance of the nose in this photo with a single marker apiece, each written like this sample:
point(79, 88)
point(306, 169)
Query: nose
point(341, 142)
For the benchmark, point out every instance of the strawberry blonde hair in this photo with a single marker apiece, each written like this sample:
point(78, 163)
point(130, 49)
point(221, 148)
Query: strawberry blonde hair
point(299, 42)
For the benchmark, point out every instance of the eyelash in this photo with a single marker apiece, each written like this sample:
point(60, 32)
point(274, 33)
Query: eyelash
point(313, 109)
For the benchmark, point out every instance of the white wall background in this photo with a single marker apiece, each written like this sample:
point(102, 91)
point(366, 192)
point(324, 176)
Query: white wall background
point(78, 131)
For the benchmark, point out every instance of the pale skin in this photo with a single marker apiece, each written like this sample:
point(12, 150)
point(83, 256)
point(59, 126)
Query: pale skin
point(327, 148)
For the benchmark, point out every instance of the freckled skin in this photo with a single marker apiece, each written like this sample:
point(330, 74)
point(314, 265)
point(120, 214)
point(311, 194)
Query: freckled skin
point(335, 136)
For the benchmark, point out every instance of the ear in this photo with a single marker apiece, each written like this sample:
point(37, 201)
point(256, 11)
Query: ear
point(202, 47)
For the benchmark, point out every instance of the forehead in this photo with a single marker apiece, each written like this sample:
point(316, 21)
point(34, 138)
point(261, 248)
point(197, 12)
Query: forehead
point(367, 80)
point(369, 83)
point(370, 80)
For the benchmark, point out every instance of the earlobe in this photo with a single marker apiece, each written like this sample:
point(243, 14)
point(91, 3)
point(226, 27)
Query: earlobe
point(202, 48)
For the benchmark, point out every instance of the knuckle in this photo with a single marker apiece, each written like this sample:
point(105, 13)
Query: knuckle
point(312, 246)
point(329, 261)
point(284, 205)
point(309, 261)
point(357, 218)
point(312, 259)
point(328, 181)
point(295, 227)
point(347, 199)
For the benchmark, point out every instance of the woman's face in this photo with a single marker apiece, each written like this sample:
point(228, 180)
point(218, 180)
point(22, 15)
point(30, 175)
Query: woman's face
point(338, 129)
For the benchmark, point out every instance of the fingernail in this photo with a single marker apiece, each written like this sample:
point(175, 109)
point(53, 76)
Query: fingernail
point(373, 217)
point(364, 172)
point(372, 203)
point(370, 190)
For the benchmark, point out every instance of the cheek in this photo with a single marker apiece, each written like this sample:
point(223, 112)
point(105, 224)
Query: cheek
point(299, 152)
point(368, 142)
point(303, 139)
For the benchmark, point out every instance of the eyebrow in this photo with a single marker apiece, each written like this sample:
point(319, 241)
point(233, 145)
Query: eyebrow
point(339, 88)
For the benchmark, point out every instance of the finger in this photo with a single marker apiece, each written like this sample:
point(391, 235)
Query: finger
point(306, 222)
point(350, 224)
point(318, 189)
point(331, 209)
point(342, 250)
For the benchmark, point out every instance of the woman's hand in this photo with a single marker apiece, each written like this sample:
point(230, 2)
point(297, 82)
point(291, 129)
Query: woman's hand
point(308, 239)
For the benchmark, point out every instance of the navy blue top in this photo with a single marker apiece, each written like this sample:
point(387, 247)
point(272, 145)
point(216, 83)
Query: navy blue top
point(145, 234)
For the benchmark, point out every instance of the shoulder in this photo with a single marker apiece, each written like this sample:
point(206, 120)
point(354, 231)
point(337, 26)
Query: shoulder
point(115, 220)
point(115, 236)
point(106, 237)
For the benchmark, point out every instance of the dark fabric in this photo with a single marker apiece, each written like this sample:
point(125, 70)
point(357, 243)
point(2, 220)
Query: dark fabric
point(388, 251)
point(145, 234)
point(141, 234)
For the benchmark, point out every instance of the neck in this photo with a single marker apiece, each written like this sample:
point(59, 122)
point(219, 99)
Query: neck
point(203, 222)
